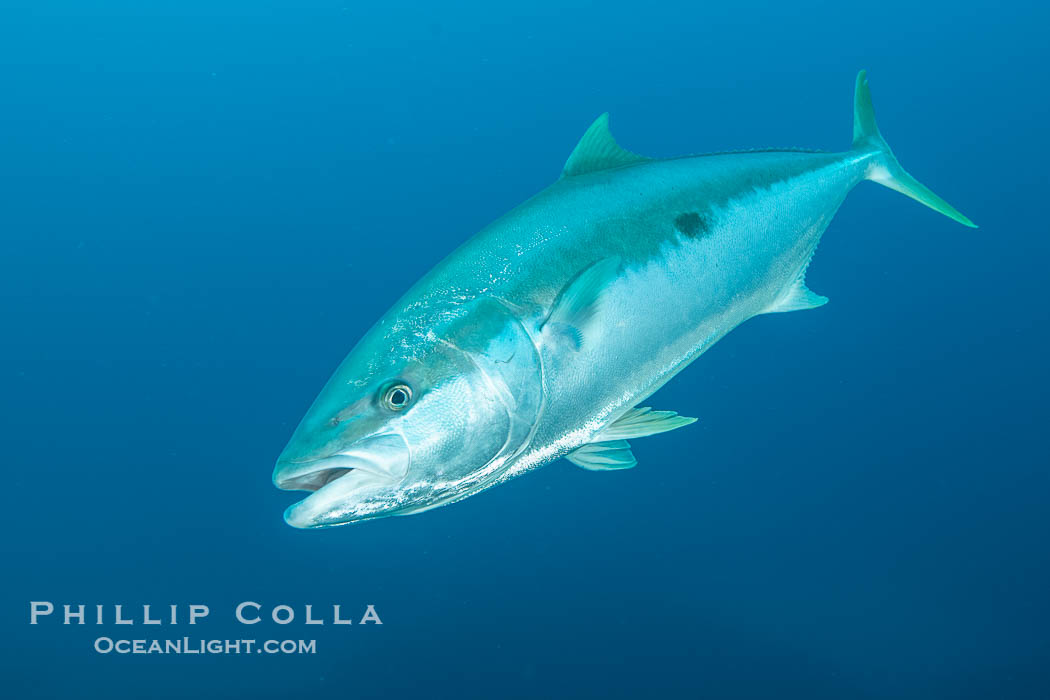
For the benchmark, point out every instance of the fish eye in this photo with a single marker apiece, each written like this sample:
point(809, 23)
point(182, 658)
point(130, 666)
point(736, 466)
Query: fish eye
point(397, 397)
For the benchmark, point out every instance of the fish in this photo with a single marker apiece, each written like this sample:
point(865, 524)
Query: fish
point(543, 335)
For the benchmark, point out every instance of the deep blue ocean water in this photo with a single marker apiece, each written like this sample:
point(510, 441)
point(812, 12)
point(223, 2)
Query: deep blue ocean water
point(204, 204)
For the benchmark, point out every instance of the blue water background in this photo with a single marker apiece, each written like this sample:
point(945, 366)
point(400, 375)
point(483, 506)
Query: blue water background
point(204, 204)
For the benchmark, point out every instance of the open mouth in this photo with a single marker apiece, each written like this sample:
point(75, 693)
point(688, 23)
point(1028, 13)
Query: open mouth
point(342, 484)
point(381, 456)
point(313, 475)
point(313, 481)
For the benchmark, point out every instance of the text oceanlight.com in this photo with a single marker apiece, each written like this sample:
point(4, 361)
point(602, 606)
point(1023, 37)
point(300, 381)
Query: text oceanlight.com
point(42, 612)
point(106, 645)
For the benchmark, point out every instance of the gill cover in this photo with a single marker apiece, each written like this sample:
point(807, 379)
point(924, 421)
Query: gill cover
point(494, 339)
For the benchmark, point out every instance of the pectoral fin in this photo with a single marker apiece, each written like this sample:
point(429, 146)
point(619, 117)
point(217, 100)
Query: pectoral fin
point(640, 422)
point(577, 303)
point(603, 456)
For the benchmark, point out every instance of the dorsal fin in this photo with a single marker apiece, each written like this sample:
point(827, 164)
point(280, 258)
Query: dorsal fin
point(598, 150)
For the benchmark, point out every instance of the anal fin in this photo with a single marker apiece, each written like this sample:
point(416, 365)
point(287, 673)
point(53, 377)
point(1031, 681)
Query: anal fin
point(797, 297)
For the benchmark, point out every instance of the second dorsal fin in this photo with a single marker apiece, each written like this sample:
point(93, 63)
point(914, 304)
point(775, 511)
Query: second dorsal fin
point(598, 150)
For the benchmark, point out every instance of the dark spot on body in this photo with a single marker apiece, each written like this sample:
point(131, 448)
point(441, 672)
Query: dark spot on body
point(692, 224)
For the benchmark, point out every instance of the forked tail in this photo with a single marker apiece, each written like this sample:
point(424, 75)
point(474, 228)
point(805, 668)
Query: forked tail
point(887, 171)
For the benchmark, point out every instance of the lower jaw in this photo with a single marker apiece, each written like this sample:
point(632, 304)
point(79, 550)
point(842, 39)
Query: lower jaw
point(351, 497)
